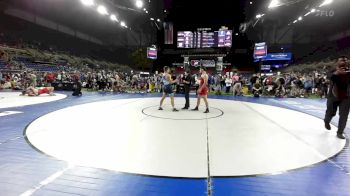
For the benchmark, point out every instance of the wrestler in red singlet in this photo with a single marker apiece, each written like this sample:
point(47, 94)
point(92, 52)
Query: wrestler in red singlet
point(204, 91)
point(43, 91)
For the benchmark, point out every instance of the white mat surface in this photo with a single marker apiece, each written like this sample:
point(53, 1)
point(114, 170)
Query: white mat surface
point(248, 139)
point(12, 99)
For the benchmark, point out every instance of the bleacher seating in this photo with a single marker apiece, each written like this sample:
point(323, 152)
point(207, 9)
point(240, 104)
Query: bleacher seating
point(42, 67)
point(3, 65)
point(22, 59)
point(33, 66)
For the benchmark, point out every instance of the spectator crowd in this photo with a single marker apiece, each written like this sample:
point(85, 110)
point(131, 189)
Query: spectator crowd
point(16, 74)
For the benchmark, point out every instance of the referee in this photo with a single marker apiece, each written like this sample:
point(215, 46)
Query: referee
point(186, 80)
point(339, 95)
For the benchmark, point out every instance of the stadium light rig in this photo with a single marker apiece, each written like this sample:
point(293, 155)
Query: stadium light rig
point(102, 10)
point(259, 16)
point(114, 18)
point(87, 2)
point(139, 3)
point(122, 23)
point(326, 2)
point(274, 3)
point(307, 14)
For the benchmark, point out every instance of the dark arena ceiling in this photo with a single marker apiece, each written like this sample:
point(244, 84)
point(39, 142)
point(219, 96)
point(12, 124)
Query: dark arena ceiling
point(187, 15)
point(73, 14)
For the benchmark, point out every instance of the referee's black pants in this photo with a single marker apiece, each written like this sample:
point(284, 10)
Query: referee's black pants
point(333, 104)
point(187, 97)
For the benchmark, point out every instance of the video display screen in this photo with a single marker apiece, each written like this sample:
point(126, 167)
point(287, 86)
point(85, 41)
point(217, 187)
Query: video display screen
point(260, 50)
point(185, 39)
point(152, 53)
point(225, 38)
point(208, 39)
point(204, 38)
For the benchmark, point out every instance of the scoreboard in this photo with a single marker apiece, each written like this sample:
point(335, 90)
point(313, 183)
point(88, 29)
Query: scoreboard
point(204, 38)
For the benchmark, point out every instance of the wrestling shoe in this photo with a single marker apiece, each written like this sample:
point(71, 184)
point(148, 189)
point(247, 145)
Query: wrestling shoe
point(195, 109)
point(175, 110)
point(206, 111)
point(341, 136)
point(160, 108)
point(327, 126)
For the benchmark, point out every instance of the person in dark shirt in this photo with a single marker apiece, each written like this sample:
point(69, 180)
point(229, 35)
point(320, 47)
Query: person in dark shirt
point(186, 80)
point(339, 96)
point(257, 88)
point(253, 80)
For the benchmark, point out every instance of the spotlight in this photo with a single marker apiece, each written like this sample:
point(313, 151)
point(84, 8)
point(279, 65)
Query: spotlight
point(152, 19)
point(102, 10)
point(295, 21)
point(139, 3)
point(274, 3)
point(114, 18)
point(326, 2)
point(122, 23)
point(158, 20)
point(87, 2)
point(144, 9)
point(146, 12)
point(300, 18)
point(259, 16)
point(313, 10)
point(251, 3)
point(307, 14)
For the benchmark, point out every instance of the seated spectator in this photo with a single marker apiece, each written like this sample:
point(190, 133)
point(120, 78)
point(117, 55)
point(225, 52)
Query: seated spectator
point(2, 84)
point(257, 88)
point(280, 90)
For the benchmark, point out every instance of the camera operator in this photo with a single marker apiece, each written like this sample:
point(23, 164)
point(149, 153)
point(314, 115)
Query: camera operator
point(339, 95)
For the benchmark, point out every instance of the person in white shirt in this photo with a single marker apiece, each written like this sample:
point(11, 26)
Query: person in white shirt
point(228, 82)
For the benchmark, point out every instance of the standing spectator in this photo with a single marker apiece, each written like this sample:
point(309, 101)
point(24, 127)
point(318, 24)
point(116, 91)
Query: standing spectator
point(308, 85)
point(222, 82)
point(228, 83)
point(217, 84)
point(324, 86)
point(253, 80)
point(33, 80)
point(59, 77)
point(237, 88)
point(50, 77)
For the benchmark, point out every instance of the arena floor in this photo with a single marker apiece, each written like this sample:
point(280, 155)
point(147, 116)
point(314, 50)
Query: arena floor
point(112, 144)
